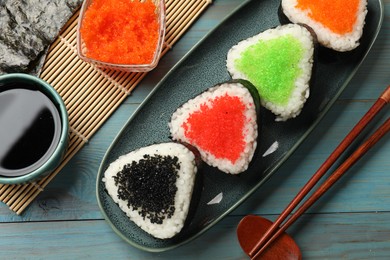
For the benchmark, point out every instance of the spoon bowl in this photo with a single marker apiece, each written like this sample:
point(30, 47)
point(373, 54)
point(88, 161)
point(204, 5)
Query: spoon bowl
point(250, 230)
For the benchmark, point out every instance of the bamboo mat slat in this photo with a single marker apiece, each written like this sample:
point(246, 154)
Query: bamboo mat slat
point(91, 94)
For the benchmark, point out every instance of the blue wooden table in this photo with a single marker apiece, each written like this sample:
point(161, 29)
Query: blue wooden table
point(351, 222)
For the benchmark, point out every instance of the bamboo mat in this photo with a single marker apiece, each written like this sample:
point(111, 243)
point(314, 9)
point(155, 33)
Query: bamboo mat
point(90, 94)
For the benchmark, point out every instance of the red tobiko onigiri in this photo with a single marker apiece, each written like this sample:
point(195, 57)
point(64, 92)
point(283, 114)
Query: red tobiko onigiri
point(222, 124)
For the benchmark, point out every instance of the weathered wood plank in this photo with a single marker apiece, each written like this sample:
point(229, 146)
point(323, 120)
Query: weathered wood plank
point(320, 236)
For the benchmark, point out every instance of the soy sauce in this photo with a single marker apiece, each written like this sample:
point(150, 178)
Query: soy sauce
point(30, 128)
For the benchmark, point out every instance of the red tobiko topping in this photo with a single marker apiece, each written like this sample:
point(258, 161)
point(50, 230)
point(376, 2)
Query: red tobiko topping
point(121, 31)
point(217, 127)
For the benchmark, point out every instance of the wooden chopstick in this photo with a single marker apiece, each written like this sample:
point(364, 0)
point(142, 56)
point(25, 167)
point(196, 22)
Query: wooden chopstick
point(336, 175)
point(276, 229)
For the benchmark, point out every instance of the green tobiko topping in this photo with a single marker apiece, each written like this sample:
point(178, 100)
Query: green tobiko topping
point(272, 66)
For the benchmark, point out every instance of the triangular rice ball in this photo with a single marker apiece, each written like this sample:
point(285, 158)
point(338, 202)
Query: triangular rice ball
point(279, 63)
point(337, 23)
point(153, 186)
point(222, 124)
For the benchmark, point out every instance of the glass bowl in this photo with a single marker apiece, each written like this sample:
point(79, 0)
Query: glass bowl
point(82, 48)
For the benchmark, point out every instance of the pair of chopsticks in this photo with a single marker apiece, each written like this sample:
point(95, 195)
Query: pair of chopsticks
point(277, 228)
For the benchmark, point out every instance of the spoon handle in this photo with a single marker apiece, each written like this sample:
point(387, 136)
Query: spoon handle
point(335, 176)
point(358, 128)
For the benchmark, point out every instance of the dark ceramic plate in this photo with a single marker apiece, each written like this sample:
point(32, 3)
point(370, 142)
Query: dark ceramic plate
point(204, 67)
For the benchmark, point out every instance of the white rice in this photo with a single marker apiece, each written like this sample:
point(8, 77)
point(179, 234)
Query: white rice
point(181, 115)
point(184, 183)
point(326, 37)
point(301, 90)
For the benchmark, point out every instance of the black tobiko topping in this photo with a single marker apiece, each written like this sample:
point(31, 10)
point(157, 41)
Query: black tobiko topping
point(149, 186)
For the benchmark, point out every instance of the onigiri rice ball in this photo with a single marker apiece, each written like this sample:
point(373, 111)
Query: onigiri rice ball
point(278, 62)
point(153, 185)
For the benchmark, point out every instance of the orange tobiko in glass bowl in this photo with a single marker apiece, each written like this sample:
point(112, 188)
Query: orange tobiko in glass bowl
point(125, 35)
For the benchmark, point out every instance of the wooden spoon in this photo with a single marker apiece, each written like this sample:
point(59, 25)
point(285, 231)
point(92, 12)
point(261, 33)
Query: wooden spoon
point(251, 229)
